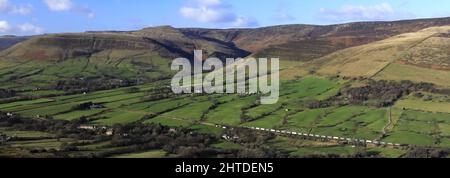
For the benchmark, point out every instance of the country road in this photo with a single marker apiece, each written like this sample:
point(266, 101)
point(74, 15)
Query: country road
point(389, 122)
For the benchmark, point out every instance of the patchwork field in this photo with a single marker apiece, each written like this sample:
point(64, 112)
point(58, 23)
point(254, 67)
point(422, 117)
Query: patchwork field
point(416, 124)
point(419, 120)
point(31, 74)
point(421, 128)
point(318, 149)
point(369, 89)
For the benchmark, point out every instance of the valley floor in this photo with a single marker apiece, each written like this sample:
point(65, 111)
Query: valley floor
point(413, 121)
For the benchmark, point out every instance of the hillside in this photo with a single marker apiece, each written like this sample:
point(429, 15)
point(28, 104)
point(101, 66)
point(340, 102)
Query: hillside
point(8, 41)
point(421, 56)
point(137, 56)
point(164, 41)
point(307, 42)
point(124, 57)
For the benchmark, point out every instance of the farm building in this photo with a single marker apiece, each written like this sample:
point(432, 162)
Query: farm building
point(109, 132)
point(87, 127)
point(4, 138)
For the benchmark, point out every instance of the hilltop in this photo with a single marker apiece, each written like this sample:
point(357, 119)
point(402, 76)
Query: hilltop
point(136, 56)
point(167, 42)
point(8, 41)
point(289, 42)
point(307, 42)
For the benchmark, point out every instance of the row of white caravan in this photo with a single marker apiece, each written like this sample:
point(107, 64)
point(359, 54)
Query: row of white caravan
point(324, 137)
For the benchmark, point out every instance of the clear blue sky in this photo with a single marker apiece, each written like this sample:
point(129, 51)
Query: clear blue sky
point(25, 17)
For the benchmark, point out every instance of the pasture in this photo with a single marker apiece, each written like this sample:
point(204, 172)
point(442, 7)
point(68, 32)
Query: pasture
point(421, 126)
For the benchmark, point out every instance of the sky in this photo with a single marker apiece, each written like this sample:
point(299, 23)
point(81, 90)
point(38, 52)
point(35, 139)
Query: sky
point(30, 17)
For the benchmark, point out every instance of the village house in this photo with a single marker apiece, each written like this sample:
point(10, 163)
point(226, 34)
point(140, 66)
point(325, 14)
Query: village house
point(226, 137)
point(99, 129)
point(96, 106)
point(87, 127)
point(109, 132)
point(229, 138)
point(4, 138)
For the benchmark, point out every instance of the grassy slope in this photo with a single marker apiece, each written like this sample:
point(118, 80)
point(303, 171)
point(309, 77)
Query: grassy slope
point(139, 65)
point(381, 60)
point(400, 72)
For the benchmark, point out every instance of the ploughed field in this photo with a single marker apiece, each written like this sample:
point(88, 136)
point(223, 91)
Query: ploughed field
point(409, 121)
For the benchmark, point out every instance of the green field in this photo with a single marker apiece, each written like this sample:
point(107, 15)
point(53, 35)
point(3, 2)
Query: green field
point(227, 145)
point(421, 128)
point(43, 144)
point(272, 121)
point(300, 148)
point(168, 122)
point(45, 73)
point(435, 103)
point(416, 125)
point(229, 113)
point(24, 134)
point(148, 154)
point(190, 112)
point(119, 117)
